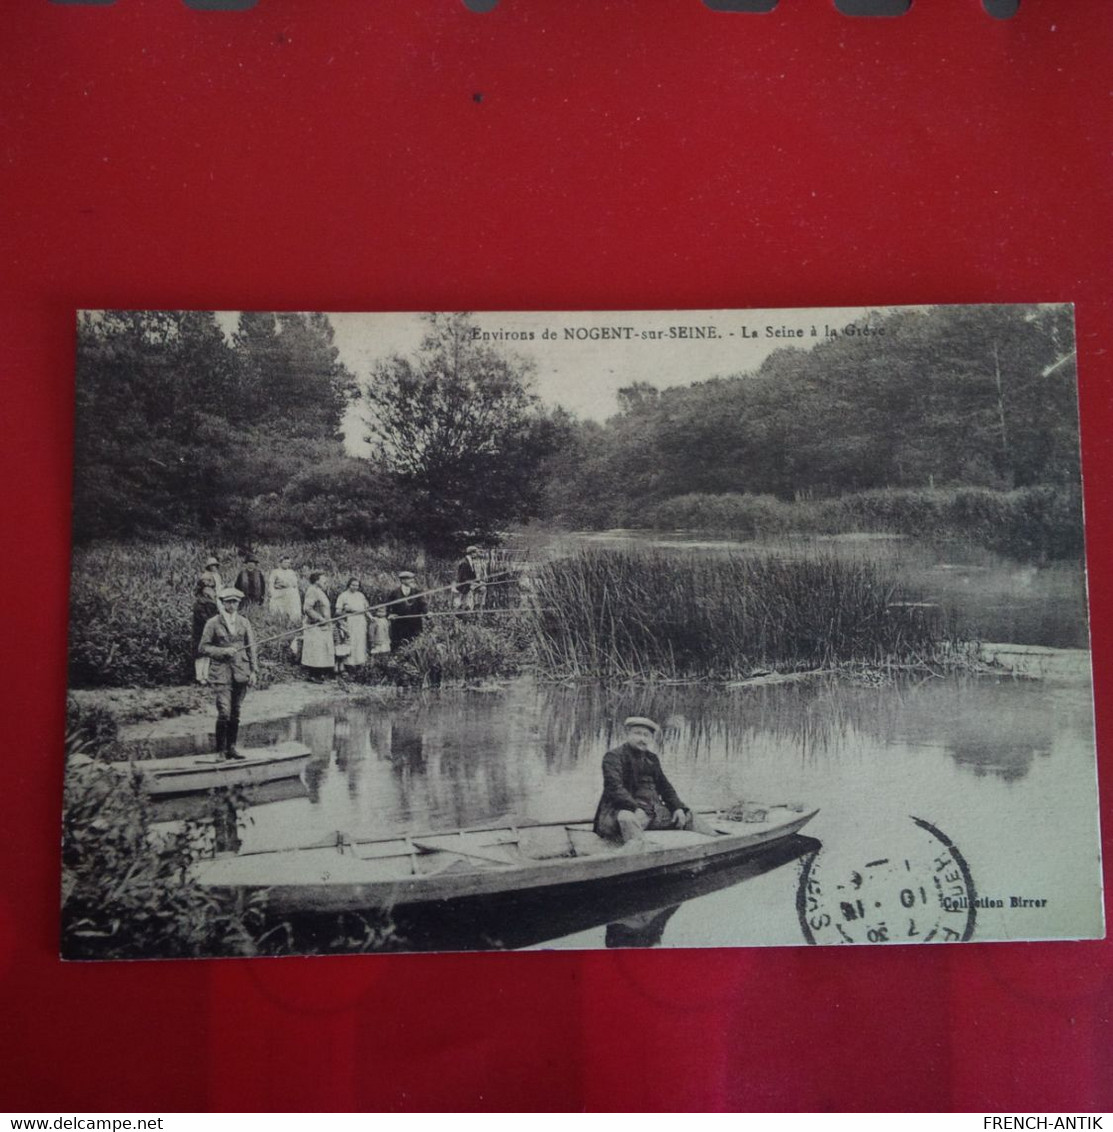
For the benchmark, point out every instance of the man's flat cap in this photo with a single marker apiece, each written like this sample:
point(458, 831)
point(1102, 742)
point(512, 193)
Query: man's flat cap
point(229, 592)
point(641, 721)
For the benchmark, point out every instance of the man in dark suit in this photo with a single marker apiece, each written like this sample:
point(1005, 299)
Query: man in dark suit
point(636, 793)
point(252, 582)
point(405, 611)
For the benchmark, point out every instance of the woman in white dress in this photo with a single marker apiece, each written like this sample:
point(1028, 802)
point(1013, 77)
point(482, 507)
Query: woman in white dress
point(354, 603)
point(283, 588)
point(318, 653)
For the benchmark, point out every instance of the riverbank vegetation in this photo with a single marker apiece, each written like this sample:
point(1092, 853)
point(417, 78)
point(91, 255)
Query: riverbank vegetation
point(127, 892)
point(943, 421)
point(642, 616)
point(600, 613)
point(1033, 524)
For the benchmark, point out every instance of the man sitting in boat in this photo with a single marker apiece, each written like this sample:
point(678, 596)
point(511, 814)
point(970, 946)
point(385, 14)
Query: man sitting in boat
point(230, 641)
point(636, 794)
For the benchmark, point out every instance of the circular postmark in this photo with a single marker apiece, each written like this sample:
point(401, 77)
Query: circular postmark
point(918, 890)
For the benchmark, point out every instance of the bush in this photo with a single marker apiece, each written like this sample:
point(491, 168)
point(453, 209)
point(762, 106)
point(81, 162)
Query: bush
point(127, 892)
point(739, 515)
point(454, 648)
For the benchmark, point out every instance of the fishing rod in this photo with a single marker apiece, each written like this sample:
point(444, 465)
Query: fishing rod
point(467, 612)
point(377, 605)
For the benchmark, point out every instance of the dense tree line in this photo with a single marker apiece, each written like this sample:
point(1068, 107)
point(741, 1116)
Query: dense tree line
point(940, 397)
point(182, 429)
point(185, 429)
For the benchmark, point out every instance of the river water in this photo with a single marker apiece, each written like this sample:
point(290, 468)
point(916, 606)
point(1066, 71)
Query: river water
point(1000, 772)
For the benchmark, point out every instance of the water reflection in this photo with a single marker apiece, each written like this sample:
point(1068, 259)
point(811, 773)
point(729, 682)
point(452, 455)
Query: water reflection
point(199, 807)
point(985, 725)
point(642, 930)
point(979, 757)
point(453, 758)
point(629, 914)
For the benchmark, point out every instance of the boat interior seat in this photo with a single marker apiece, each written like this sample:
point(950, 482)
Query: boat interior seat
point(586, 842)
point(547, 843)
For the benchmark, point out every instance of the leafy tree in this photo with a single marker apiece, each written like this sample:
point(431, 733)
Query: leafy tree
point(460, 429)
point(179, 429)
point(149, 438)
point(291, 378)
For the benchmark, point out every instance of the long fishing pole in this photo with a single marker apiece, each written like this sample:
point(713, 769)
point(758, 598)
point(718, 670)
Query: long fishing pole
point(377, 605)
point(467, 612)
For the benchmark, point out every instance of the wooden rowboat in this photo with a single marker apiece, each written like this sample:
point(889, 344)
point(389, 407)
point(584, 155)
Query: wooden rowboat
point(188, 774)
point(550, 861)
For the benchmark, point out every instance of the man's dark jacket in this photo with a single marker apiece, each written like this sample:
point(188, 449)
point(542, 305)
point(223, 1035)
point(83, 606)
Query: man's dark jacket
point(633, 779)
point(409, 610)
point(466, 575)
point(252, 583)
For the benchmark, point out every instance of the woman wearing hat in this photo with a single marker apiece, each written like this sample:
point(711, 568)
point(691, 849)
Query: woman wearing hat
point(318, 654)
point(204, 607)
point(285, 599)
point(228, 643)
point(636, 793)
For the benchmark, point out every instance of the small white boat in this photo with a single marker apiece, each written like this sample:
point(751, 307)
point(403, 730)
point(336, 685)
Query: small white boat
point(187, 774)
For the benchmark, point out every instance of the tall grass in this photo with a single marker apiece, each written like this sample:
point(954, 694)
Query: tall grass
point(621, 614)
point(1031, 523)
point(606, 614)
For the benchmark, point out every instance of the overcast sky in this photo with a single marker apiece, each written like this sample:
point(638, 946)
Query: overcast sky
point(583, 374)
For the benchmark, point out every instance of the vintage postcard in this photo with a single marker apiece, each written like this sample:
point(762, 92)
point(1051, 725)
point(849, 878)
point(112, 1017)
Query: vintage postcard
point(577, 630)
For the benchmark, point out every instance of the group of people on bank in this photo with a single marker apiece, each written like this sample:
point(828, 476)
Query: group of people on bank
point(637, 795)
point(332, 637)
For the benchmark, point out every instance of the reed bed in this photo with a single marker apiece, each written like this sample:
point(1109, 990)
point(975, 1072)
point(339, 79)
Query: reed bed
point(644, 616)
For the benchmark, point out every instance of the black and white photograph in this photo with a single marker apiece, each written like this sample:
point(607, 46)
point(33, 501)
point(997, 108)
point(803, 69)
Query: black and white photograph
point(550, 630)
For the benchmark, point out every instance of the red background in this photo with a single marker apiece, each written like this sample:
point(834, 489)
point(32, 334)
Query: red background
point(624, 154)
